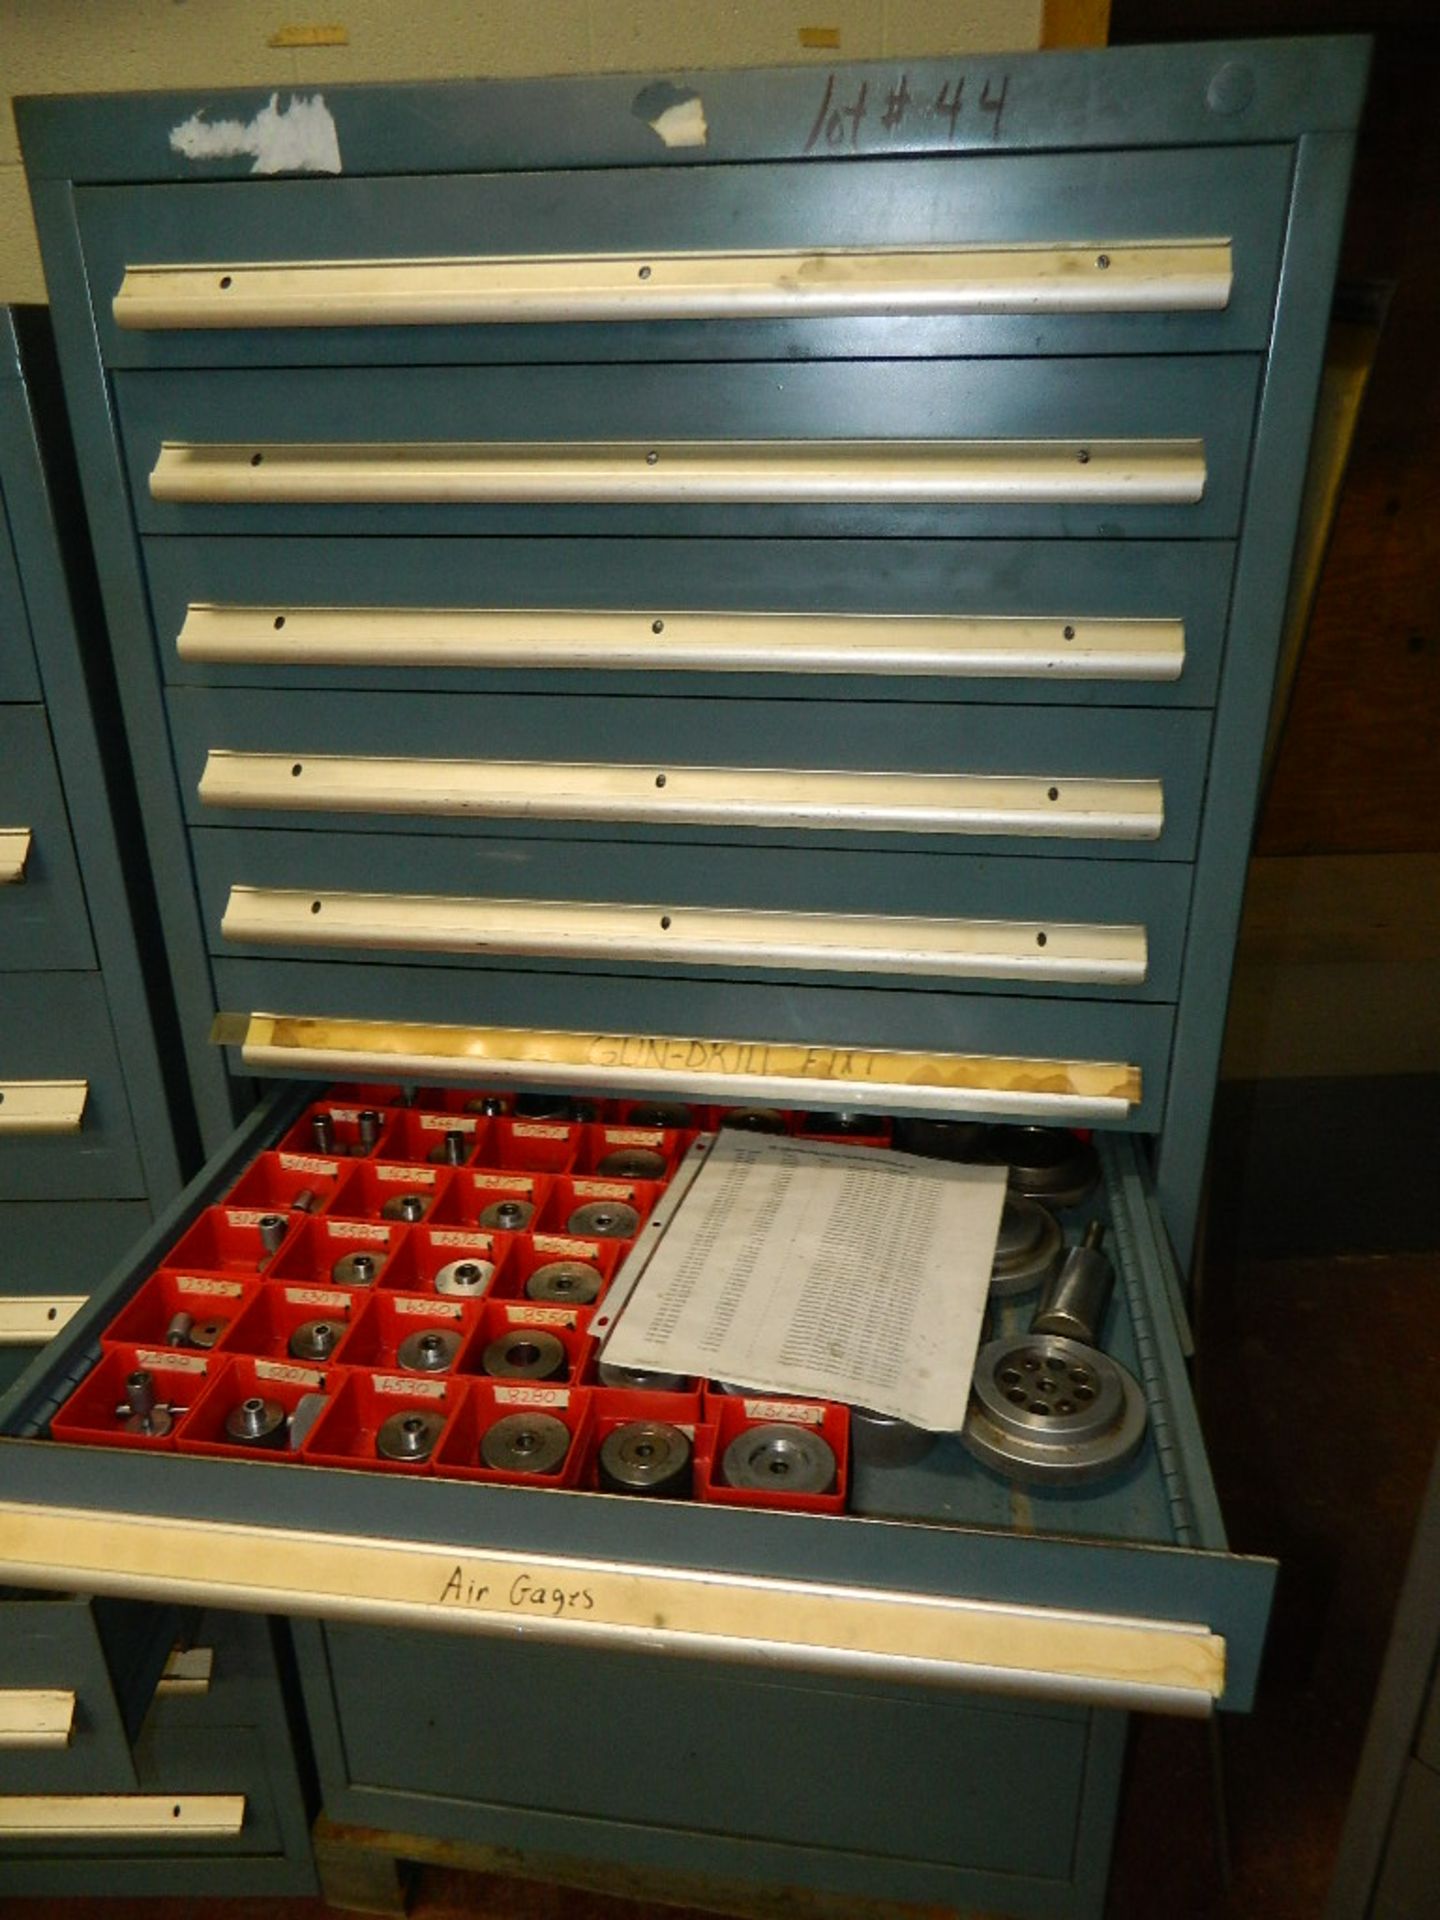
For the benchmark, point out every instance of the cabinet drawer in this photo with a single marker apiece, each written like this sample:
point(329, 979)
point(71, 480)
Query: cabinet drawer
point(995, 779)
point(927, 448)
point(18, 678)
point(1177, 1629)
point(65, 1129)
point(50, 1259)
point(1218, 215)
point(43, 922)
point(1083, 625)
point(1092, 928)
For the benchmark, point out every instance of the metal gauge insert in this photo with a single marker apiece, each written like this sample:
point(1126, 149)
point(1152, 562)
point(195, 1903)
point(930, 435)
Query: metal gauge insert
point(604, 1220)
point(753, 1120)
point(572, 1283)
point(256, 1422)
point(359, 1269)
point(1043, 1408)
point(1028, 1248)
point(464, 1279)
point(642, 1380)
point(410, 1436)
point(1045, 1163)
point(530, 1442)
point(661, 1113)
point(632, 1163)
point(452, 1149)
point(779, 1457)
point(315, 1339)
point(406, 1206)
point(646, 1456)
point(429, 1350)
point(525, 1353)
point(508, 1216)
point(961, 1140)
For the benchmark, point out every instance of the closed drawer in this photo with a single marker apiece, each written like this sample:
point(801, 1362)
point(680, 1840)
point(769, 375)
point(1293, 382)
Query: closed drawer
point(1123, 253)
point(1081, 447)
point(18, 678)
point(76, 1676)
point(65, 1128)
point(50, 1259)
point(43, 922)
point(998, 779)
point(1088, 928)
point(1088, 624)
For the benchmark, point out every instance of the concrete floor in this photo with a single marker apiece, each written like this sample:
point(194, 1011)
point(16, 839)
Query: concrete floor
point(1320, 1409)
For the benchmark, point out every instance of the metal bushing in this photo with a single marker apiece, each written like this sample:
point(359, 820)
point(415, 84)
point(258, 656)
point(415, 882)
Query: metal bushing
point(406, 1206)
point(568, 1283)
point(359, 1269)
point(256, 1422)
point(144, 1412)
point(779, 1457)
point(841, 1124)
point(508, 1216)
point(411, 1435)
point(666, 1114)
point(322, 1133)
point(1028, 1248)
point(1075, 1299)
point(272, 1228)
point(429, 1350)
point(185, 1330)
point(604, 1220)
point(305, 1201)
point(1044, 1409)
point(552, 1106)
point(368, 1129)
point(633, 1163)
point(646, 1456)
point(452, 1149)
point(530, 1442)
point(315, 1340)
point(882, 1440)
point(753, 1120)
point(525, 1353)
point(960, 1140)
point(492, 1105)
point(464, 1279)
point(641, 1380)
point(1045, 1163)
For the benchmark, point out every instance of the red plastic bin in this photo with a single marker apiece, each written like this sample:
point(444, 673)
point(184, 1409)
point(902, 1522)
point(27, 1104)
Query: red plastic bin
point(229, 1240)
point(274, 1181)
point(242, 1378)
point(279, 1310)
point(369, 1186)
point(512, 1319)
point(425, 1253)
point(314, 1253)
point(531, 1251)
point(487, 1401)
point(345, 1434)
point(472, 1191)
point(419, 1136)
point(89, 1414)
point(346, 1143)
point(145, 1320)
point(387, 1320)
point(734, 1413)
point(567, 1196)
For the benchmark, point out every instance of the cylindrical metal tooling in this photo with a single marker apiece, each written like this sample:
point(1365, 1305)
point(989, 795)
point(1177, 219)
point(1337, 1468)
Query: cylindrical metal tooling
point(315, 1339)
point(177, 1334)
point(369, 1129)
point(322, 1133)
point(507, 1216)
point(142, 1412)
point(632, 1163)
point(357, 1269)
point(452, 1149)
point(882, 1440)
point(430, 1350)
point(553, 1106)
point(641, 1380)
point(405, 1206)
point(568, 1283)
point(753, 1120)
point(1027, 1248)
point(530, 1442)
point(604, 1220)
point(256, 1422)
point(1043, 1408)
point(661, 1113)
point(272, 1228)
point(1073, 1304)
point(1045, 1163)
point(526, 1353)
point(464, 1279)
point(960, 1140)
point(839, 1123)
point(646, 1456)
point(492, 1105)
point(204, 1333)
point(305, 1201)
point(409, 1436)
point(779, 1457)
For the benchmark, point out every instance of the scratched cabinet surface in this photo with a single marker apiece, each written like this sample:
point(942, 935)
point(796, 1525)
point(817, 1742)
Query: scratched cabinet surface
point(847, 513)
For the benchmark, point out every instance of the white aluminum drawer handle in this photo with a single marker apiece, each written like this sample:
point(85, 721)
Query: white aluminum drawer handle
point(693, 473)
point(921, 1638)
point(1100, 277)
point(1002, 804)
point(36, 1717)
point(28, 1320)
point(42, 1106)
point(121, 1816)
point(1063, 647)
point(695, 936)
point(14, 854)
point(771, 1072)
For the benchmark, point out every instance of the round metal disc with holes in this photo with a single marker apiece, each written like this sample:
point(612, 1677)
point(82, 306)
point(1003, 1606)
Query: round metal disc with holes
point(633, 1163)
point(406, 1206)
point(530, 1442)
point(1027, 1250)
point(646, 1456)
point(410, 1435)
point(256, 1422)
point(1043, 1408)
point(569, 1283)
point(661, 1113)
point(430, 1350)
point(754, 1120)
point(315, 1340)
point(1045, 1163)
point(464, 1279)
point(779, 1457)
point(641, 1380)
point(358, 1269)
point(525, 1353)
point(507, 1216)
point(604, 1220)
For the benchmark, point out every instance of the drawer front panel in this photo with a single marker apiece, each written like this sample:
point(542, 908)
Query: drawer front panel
point(57, 1055)
point(1049, 782)
point(43, 921)
point(1086, 200)
point(18, 678)
point(1176, 591)
point(1077, 928)
point(1124, 447)
point(50, 1258)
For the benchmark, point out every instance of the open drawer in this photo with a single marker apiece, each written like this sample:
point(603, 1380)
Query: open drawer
point(1119, 1593)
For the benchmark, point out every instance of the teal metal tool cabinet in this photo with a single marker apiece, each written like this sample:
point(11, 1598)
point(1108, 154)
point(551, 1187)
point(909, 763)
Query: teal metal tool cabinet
point(119, 1718)
point(753, 587)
